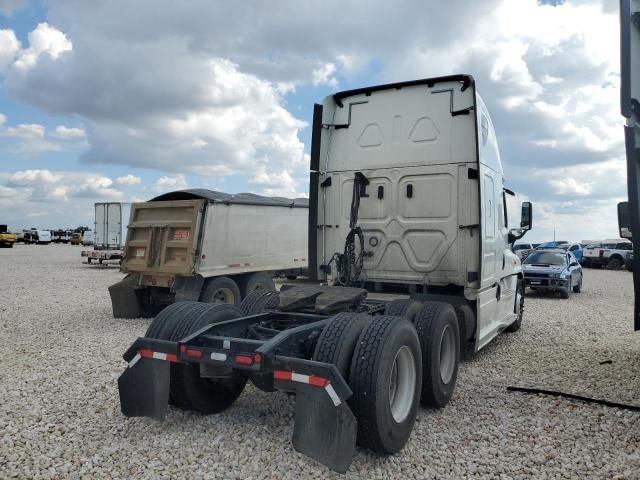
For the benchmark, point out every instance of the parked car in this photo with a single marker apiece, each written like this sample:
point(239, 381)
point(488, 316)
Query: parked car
point(523, 250)
point(555, 270)
point(609, 253)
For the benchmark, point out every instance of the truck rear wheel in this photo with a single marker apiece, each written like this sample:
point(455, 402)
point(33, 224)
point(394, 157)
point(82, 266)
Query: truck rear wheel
point(338, 340)
point(256, 281)
point(403, 308)
point(385, 376)
point(188, 390)
point(259, 300)
point(437, 327)
point(221, 290)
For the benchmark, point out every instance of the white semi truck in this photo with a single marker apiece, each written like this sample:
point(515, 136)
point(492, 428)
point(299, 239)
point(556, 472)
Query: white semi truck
point(209, 246)
point(406, 190)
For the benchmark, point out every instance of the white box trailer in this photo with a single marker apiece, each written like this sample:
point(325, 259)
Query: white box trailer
point(208, 246)
point(110, 232)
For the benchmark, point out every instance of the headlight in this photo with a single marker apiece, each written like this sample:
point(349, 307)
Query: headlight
point(555, 275)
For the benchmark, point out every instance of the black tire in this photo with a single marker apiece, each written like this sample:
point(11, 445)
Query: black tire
point(188, 389)
point(338, 340)
point(565, 294)
point(221, 290)
point(258, 301)
point(432, 323)
point(291, 277)
point(256, 281)
point(403, 308)
point(614, 263)
point(578, 288)
point(384, 340)
point(515, 326)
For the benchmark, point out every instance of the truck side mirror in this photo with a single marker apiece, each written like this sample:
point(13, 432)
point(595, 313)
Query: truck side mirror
point(624, 220)
point(526, 217)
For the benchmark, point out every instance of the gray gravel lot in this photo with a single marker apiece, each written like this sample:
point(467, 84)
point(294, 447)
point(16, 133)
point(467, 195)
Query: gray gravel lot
point(60, 357)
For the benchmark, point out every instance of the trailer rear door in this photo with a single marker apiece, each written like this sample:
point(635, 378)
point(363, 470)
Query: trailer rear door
point(108, 226)
point(163, 237)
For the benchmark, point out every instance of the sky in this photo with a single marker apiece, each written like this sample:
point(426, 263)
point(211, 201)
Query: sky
point(121, 100)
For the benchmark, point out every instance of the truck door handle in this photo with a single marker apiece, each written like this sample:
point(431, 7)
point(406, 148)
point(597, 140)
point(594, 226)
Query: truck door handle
point(380, 192)
point(409, 190)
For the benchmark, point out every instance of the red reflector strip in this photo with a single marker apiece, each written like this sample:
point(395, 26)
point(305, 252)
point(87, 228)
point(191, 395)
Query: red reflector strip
point(300, 378)
point(281, 375)
point(244, 360)
point(169, 357)
point(318, 381)
point(193, 353)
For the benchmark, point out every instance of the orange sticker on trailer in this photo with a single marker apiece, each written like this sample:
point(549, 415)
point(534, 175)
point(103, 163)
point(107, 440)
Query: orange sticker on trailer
point(181, 234)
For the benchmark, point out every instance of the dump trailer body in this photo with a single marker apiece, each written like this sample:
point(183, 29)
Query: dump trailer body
point(180, 242)
point(216, 235)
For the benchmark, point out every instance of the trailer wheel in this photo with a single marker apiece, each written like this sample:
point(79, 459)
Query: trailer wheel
point(386, 377)
point(256, 281)
point(403, 308)
point(519, 308)
point(259, 300)
point(338, 340)
point(221, 290)
point(437, 327)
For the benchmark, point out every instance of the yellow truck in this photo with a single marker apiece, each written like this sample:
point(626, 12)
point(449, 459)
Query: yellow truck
point(7, 239)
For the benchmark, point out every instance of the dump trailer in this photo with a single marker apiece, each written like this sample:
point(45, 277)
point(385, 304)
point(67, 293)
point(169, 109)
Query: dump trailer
point(209, 246)
point(406, 189)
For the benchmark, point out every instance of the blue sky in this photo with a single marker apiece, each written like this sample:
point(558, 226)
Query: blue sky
point(107, 101)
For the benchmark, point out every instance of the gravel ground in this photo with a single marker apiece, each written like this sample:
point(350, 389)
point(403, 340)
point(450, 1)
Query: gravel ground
point(60, 416)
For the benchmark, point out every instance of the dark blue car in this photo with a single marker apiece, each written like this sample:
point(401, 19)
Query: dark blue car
point(555, 270)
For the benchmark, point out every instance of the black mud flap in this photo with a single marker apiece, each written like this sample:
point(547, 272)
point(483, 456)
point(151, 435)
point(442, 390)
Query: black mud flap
point(144, 389)
point(322, 430)
point(124, 299)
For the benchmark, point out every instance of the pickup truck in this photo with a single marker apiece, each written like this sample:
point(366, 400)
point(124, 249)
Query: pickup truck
point(612, 254)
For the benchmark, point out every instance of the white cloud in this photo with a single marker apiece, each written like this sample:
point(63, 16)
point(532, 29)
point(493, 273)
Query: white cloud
point(276, 184)
point(43, 40)
point(9, 47)
point(25, 138)
point(69, 132)
point(167, 184)
point(322, 75)
point(128, 180)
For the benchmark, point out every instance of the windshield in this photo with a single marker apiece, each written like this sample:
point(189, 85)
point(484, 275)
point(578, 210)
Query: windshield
point(545, 258)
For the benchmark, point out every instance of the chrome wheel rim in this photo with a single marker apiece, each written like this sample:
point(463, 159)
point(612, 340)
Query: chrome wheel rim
point(402, 384)
point(447, 354)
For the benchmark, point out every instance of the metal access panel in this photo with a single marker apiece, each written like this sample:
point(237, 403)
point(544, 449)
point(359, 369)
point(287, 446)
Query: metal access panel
point(110, 226)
